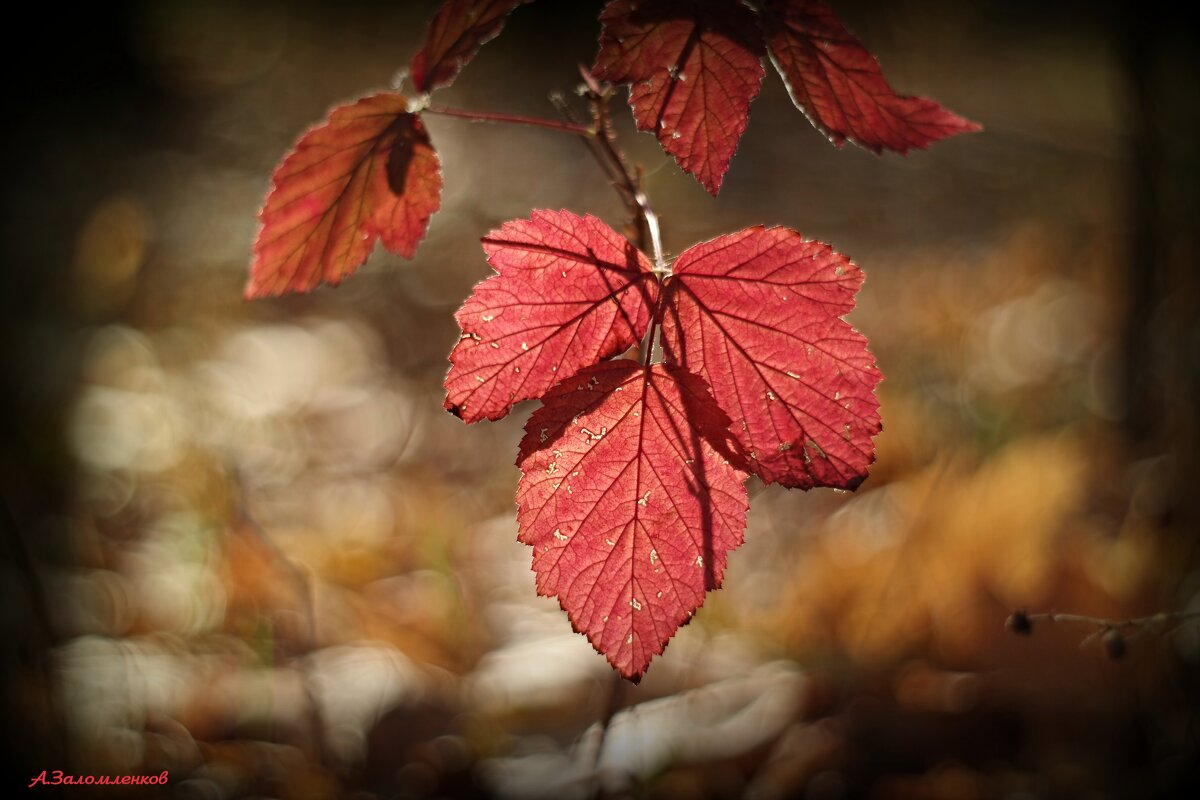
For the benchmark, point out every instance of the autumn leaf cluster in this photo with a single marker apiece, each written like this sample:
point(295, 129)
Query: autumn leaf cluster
point(632, 490)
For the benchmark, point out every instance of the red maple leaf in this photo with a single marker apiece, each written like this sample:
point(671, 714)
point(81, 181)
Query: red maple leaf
point(757, 314)
point(693, 67)
point(456, 32)
point(629, 504)
point(838, 84)
point(569, 291)
point(369, 172)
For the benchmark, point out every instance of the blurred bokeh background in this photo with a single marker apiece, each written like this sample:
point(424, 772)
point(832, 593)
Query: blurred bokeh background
point(244, 543)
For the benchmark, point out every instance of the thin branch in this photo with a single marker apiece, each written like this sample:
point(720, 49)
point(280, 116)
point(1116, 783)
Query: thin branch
point(593, 145)
point(598, 98)
point(512, 119)
point(617, 177)
point(1113, 633)
point(1137, 622)
point(601, 140)
point(602, 143)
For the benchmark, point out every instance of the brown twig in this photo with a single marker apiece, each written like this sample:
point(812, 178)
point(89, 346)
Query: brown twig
point(601, 139)
point(1112, 632)
point(598, 97)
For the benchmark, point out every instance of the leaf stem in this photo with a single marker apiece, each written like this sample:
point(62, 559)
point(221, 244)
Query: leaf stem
point(513, 119)
point(660, 262)
point(591, 141)
point(650, 343)
point(600, 139)
point(628, 183)
point(630, 180)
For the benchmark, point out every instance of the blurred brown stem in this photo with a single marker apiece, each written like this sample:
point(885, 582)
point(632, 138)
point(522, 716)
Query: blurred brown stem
point(303, 586)
point(612, 704)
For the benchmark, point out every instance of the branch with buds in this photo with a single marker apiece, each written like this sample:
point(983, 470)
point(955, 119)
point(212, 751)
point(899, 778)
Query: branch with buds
point(1113, 634)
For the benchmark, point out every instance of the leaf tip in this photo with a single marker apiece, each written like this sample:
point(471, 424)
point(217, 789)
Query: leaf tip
point(256, 287)
point(970, 126)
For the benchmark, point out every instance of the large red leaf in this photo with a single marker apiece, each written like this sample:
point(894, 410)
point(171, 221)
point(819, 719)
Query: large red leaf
point(369, 172)
point(693, 67)
point(838, 84)
point(569, 291)
point(758, 314)
point(628, 505)
point(456, 32)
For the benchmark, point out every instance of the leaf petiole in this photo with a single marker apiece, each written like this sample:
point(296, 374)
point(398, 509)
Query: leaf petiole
point(513, 119)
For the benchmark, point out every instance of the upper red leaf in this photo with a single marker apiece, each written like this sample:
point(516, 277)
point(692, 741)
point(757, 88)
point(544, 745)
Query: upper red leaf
point(629, 507)
point(838, 84)
point(369, 172)
point(569, 292)
point(456, 32)
point(693, 67)
point(758, 314)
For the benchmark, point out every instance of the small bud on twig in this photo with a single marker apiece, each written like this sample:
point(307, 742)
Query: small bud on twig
point(1114, 644)
point(1019, 623)
point(1109, 631)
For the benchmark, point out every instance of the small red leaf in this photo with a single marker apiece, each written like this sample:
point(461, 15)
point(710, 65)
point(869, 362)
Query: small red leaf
point(369, 172)
point(569, 291)
point(693, 67)
point(757, 314)
point(456, 32)
point(838, 84)
point(628, 506)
